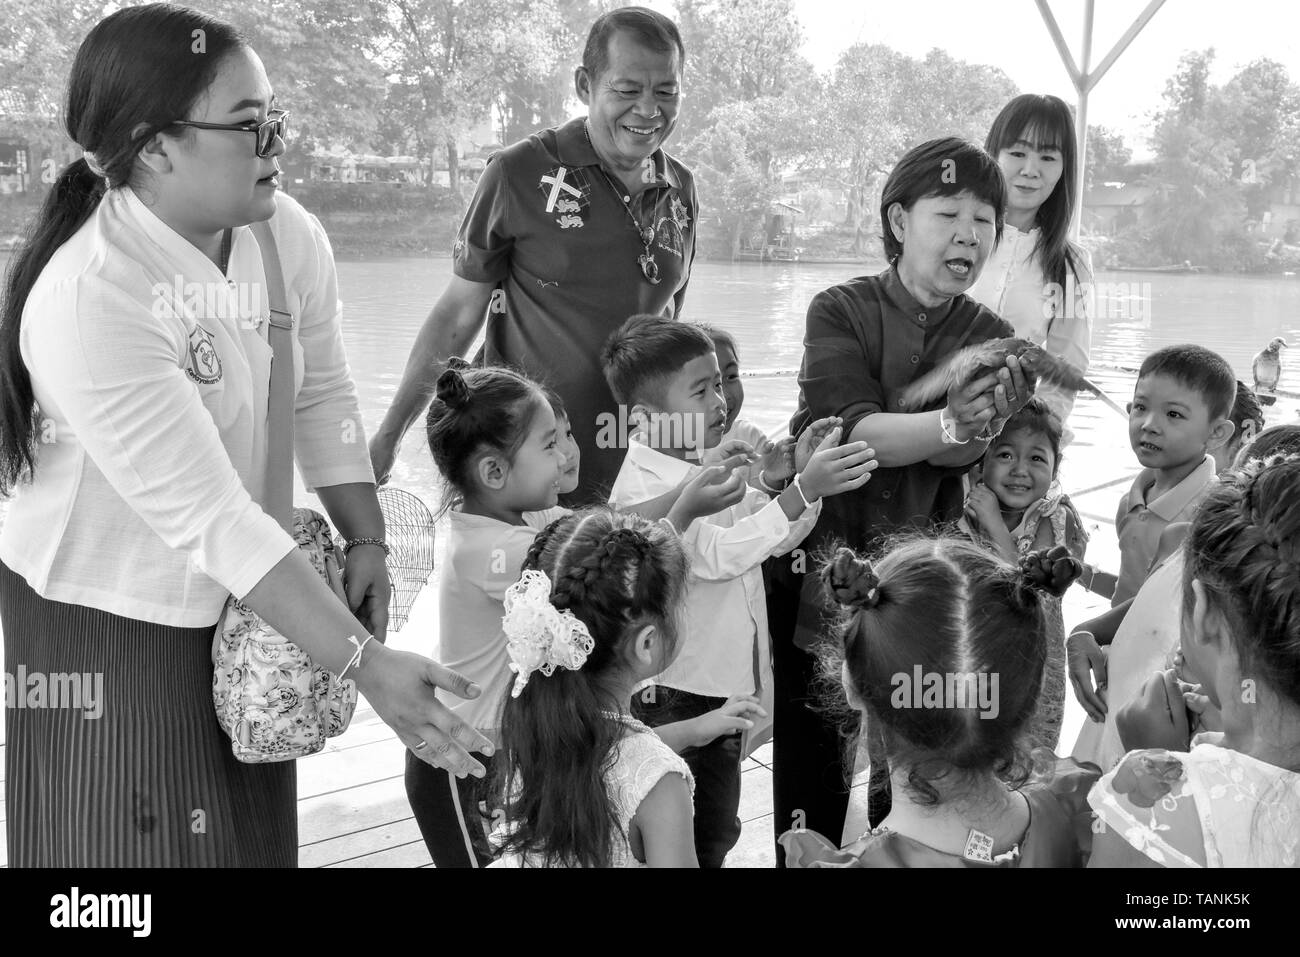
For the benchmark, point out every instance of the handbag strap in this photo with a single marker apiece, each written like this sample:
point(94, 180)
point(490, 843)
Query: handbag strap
point(279, 427)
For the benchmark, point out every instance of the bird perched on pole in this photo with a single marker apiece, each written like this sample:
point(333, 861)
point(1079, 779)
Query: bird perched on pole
point(1267, 368)
point(979, 360)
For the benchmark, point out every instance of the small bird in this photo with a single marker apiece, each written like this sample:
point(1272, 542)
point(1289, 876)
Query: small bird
point(1267, 366)
point(979, 360)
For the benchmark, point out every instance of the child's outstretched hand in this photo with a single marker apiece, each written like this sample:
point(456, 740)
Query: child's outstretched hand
point(1157, 717)
point(1087, 661)
point(707, 492)
point(776, 460)
point(730, 449)
point(836, 468)
point(735, 716)
point(810, 440)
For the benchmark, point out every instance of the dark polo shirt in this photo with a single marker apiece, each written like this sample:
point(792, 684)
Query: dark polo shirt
point(865, 341)
point(550, 228)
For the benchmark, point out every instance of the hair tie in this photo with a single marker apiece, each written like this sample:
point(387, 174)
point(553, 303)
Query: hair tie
point(851, 580)
point(541, 637)
point(452, 388)
point(92, 163)
point(1051, 570)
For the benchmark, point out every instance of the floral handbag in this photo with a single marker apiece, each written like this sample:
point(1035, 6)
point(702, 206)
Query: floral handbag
point(273, 702)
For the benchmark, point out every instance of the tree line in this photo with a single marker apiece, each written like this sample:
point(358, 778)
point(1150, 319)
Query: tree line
point(412, 77)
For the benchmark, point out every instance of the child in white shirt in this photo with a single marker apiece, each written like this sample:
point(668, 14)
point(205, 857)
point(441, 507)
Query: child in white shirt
point(667, 373)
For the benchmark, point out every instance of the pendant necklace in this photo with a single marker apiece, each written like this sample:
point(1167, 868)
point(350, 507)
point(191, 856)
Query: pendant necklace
point(649, 267)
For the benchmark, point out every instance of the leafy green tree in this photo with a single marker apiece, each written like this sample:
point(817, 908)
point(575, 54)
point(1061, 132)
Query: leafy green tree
point(1107, 156)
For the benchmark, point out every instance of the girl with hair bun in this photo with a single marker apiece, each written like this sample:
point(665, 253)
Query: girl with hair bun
point(951, 692)
point(495, 436)
point(1229, 798)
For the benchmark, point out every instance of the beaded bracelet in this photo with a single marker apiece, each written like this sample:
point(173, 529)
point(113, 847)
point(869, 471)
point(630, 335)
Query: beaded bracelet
point(762, 483)
point(367, 541)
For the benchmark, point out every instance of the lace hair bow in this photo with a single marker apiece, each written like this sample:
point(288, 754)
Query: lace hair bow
point(541, 637)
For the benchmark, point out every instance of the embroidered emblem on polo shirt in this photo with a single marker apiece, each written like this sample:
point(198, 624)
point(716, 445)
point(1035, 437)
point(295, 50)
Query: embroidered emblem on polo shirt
point(678, 209)
point(566, 193)
point(203, 365)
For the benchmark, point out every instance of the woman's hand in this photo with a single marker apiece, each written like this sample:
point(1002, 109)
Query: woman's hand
point(971, 406)
point(1157, 716)
point(836, 468)
point(400, 687)
point(1086, 662)
point(735, 716)
point(1013, 390)
point(368, 589)
point(810, 440)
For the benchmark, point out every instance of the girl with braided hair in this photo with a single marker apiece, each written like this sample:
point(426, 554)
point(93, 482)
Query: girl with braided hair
point(495, 436)
point(579, 781)
point(1229, 798)
point(942, 646)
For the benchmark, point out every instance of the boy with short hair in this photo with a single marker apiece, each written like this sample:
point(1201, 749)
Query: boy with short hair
point(1178, 417)
point(667, 373)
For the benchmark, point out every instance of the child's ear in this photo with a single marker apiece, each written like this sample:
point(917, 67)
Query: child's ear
point(638, 419)
point(1208, 626)
point(644, 645)
point(1220, 432)
point(491, 471)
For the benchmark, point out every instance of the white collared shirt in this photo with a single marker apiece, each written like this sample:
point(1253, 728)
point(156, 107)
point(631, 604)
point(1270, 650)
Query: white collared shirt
point(1013, 285)
point(725, 638)
point(152, 413)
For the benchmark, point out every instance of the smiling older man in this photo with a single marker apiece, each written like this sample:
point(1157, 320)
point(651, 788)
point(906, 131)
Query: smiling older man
point(571, 231)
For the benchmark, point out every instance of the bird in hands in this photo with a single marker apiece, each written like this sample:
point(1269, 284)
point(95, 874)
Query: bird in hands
point(1267, 368)
point(973, 362)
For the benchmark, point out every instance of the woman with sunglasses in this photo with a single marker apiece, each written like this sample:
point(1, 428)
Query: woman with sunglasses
point(133, 438)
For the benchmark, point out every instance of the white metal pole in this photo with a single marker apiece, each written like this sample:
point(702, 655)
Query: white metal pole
point(1082, 86)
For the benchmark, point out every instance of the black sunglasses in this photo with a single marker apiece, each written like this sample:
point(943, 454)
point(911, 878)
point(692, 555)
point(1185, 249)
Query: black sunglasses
point(275, 125)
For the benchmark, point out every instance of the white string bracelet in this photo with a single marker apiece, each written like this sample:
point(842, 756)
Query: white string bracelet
point(950, 437)
point(799, 488)
point(355, 660)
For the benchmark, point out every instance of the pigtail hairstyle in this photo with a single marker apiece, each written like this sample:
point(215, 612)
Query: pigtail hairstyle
point(134, 76)
point(948, 607)
point(616, 573)
point(1244, 548)
point(475, 411)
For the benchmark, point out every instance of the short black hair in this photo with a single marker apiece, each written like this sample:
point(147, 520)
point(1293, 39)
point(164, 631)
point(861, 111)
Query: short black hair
point(1037, 417)
point(1246, 408)
point(652, 30)
point(719, 335)
point(645, 352)
point(942, 167)
point(1199, 369)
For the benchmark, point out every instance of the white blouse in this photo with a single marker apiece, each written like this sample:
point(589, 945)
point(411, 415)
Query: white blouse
point(1013, 285)
point(150, 371)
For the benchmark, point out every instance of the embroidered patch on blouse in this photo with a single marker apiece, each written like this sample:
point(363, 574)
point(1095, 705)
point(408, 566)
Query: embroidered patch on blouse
point(203, 365)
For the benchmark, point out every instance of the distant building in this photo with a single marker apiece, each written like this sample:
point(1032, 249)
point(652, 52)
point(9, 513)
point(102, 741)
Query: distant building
point(1112, 207)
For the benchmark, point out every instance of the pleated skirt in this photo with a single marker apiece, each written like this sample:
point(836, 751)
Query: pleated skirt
point(113, 756)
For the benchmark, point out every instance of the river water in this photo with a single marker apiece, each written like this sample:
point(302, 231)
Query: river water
point(763, 306)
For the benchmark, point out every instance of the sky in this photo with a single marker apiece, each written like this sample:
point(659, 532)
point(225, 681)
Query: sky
point(1011, 35)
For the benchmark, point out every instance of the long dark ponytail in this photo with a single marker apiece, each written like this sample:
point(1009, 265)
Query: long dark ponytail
point(135, 73)
point(615, 572)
